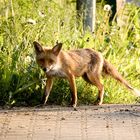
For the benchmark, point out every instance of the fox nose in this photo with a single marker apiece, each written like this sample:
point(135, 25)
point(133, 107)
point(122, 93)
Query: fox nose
point(44, 69)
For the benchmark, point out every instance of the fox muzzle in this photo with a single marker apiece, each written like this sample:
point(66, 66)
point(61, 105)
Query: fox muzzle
point(46, 69)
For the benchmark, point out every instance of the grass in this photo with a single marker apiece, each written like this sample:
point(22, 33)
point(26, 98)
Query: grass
point(21, 22)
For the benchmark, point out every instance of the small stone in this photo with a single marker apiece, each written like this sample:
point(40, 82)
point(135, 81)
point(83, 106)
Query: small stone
point(63, 118)
point(107, 126)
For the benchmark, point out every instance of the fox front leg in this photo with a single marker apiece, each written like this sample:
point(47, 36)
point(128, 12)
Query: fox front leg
point(48, 88)
point(71, 79)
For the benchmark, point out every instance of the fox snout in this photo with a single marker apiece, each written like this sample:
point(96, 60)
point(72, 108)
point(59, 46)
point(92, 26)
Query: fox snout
point(46, 69)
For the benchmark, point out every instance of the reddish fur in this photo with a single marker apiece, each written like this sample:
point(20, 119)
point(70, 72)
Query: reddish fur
point(75, 63)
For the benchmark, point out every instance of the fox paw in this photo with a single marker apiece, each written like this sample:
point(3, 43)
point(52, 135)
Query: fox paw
point(98, 102)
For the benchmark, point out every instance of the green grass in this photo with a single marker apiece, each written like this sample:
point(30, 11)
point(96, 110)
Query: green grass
point(21, 80)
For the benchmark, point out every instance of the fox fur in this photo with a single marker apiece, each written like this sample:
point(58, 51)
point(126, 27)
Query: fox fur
point(70, 64)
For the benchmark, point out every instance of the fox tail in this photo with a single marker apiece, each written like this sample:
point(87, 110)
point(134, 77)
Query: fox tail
point(109, 69)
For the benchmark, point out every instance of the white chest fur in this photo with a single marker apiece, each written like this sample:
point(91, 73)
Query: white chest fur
point(56, 71)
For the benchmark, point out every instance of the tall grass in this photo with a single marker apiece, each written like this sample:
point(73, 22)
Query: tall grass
point(21, 22)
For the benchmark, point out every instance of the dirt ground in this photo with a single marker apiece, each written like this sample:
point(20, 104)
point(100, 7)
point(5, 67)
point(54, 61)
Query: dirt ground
point(106, 122)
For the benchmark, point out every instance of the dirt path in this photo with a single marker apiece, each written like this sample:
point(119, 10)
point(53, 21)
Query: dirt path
point(106, 122)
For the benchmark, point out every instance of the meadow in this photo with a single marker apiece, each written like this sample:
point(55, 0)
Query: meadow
point(23, 21)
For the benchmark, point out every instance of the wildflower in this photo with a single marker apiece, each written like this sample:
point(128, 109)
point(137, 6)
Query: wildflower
point(98, 21)
point(28, 59)
point(127, 51)
point(31, 21)
point(107, 7)
point(110, 46)
point(41, 14)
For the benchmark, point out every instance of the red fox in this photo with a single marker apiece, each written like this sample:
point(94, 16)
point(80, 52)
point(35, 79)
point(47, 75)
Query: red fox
point(87, 63)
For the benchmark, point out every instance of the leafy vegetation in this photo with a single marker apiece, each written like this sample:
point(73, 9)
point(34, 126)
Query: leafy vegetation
point(23, 21)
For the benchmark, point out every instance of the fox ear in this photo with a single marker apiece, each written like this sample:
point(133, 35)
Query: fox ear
point(57, 48)
point(38, 47)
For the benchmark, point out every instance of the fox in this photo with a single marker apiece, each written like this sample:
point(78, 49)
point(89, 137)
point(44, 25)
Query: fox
point(86, 63)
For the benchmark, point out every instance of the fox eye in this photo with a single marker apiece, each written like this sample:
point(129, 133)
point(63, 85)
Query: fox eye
point(50, 61)
point(42, 60)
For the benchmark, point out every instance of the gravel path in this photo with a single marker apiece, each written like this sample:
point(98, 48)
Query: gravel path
point(106, 122)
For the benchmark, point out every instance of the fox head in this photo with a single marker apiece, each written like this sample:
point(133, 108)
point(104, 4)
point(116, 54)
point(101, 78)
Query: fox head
point(47, 58)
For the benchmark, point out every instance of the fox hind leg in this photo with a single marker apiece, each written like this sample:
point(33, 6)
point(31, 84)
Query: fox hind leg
point(95, 80)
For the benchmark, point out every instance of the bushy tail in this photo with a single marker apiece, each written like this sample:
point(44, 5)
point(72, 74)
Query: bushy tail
point(136, 92)
point(109, 69)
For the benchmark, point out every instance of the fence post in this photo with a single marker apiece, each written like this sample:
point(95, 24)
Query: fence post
point(120, 13)
point(87, 8)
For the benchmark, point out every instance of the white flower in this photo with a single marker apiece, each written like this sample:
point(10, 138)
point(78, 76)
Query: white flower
point(31, 21)
point(110, 46)
point(41, 14)
point(28, 59)
point(107, 7)
point(98, 21)
point(127, 52)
